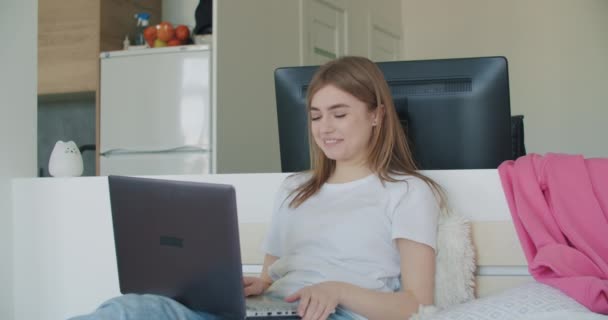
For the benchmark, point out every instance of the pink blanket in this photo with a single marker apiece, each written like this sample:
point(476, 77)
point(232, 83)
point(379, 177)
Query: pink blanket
point(559, 205)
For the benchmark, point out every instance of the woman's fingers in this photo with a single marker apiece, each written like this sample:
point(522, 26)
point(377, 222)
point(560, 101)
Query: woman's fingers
point(303, 305)
point(293, 297)
point(328, 311)
point(315, 309)
point(252, 287)
point(249, 290)
point(314, 304)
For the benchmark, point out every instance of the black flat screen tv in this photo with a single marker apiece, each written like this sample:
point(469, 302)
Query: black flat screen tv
point(455, 112)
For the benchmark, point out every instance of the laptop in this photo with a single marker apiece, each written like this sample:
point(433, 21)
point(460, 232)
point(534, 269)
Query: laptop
point(180, 239)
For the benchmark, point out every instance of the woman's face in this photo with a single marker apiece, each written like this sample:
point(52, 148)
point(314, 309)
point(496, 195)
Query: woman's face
point(341, 125)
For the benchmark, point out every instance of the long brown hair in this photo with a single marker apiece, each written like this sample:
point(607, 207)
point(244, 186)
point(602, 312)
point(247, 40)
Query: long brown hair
point(389, 151)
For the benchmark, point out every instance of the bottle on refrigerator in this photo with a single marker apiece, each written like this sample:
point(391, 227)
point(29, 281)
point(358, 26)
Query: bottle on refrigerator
point(143, 20)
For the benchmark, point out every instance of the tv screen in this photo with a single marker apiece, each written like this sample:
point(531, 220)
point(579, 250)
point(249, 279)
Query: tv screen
point(455, 112)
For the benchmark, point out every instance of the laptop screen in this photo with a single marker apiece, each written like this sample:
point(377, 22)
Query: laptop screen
point(178, 239)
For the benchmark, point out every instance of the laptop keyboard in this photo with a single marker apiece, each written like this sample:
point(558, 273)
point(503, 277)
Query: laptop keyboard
point(274, 317)
point(272, 310)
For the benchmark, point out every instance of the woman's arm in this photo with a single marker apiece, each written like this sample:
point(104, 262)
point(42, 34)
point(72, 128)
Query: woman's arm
point(254, 286)
point(417, 286)
point(268, 261)
point(417, 279)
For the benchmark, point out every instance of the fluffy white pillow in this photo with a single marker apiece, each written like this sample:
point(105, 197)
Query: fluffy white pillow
point(455, 265)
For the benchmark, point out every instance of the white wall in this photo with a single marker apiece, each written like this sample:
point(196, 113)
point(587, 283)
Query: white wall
point(180, 12)
point(557, 52)
point(252, 39)
point(19, 30)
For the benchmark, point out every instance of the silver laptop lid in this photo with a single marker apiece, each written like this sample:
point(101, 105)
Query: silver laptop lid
point(179, 239)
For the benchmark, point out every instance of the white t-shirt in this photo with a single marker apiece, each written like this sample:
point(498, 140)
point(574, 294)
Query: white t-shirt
point(346, 232)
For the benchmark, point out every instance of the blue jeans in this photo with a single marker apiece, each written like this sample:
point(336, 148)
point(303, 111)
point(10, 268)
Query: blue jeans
point(154, 307)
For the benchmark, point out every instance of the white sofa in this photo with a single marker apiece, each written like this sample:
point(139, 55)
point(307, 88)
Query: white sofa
point(64, 258)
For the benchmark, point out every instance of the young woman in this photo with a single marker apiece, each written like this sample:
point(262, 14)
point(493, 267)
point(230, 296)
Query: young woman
point(354, 237)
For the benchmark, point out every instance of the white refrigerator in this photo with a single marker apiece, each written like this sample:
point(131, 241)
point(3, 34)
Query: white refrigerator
point(155, 111)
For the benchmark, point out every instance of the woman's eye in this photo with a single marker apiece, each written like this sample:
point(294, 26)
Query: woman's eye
point(315, 118)
point(342, 115)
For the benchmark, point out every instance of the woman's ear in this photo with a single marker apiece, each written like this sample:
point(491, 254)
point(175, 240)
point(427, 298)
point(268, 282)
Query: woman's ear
point(378, 115)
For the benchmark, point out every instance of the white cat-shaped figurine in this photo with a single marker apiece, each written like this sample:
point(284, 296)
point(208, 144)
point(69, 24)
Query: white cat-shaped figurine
point(65, 160)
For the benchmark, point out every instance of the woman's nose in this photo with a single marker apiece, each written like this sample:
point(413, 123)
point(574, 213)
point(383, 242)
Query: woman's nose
point(326, 125)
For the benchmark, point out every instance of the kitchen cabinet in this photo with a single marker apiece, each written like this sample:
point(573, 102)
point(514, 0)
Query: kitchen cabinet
point(72, 33)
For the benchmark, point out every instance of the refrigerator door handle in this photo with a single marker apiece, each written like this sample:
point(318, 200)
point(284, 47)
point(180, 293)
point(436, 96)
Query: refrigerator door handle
point(116, 152)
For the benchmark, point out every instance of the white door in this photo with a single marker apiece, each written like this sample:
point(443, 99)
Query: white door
point(385, 45)
point(385, 31)
point(324, 30)
point(155, 99)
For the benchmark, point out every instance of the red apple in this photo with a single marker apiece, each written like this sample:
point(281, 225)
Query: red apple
point(150, 35)
point(165, 31)
point(174, 42)
point(182, 33)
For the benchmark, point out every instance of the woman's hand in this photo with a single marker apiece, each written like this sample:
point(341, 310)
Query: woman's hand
point(254, 286)
point(318, 301)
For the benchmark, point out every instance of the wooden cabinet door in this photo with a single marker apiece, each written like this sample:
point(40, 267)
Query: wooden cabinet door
point(71, 34)
point(68, 46)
